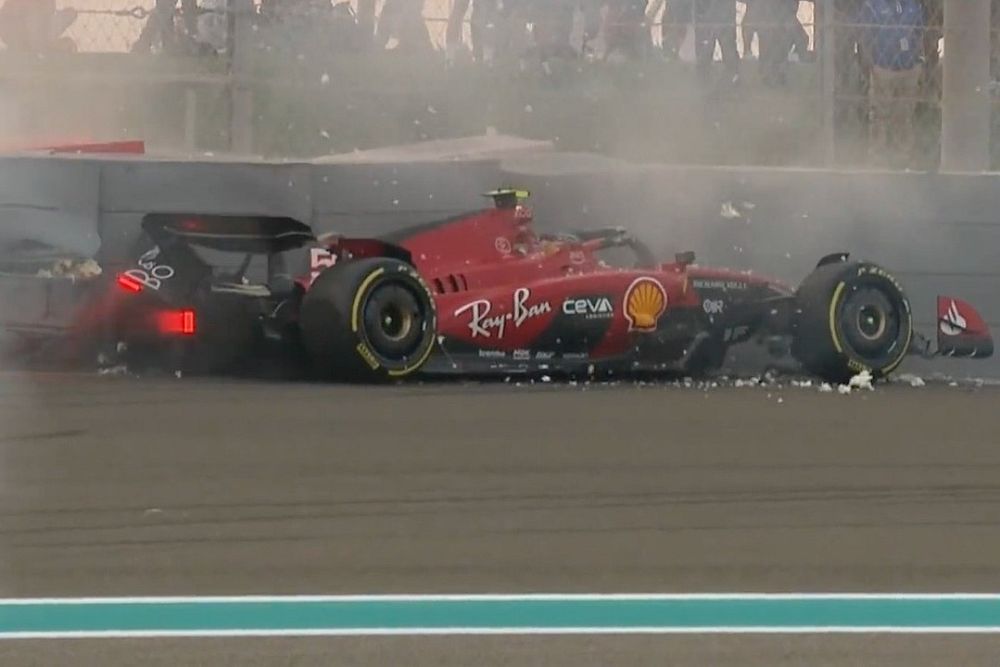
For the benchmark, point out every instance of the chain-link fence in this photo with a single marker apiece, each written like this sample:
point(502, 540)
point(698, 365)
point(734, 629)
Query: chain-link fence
point(854, 82)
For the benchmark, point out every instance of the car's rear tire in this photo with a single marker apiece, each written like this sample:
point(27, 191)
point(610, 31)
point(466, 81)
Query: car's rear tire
point(368, 320)
point(851, 317)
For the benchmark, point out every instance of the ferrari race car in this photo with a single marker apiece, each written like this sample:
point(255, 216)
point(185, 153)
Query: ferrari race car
point(477, 294)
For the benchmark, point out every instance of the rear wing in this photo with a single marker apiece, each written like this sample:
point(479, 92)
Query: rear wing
point(230, 233)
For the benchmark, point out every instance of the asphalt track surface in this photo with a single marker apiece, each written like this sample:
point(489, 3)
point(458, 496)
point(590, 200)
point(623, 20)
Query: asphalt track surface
point(125, 487)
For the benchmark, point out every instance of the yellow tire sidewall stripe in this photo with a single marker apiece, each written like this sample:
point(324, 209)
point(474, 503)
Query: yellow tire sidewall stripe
point(359, 296)
point(834, 301)
point(356, 313)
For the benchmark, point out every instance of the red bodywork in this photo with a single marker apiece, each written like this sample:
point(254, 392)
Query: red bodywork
point(503, 291)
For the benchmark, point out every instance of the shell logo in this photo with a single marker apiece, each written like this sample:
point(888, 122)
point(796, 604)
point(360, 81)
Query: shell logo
point(645, 302)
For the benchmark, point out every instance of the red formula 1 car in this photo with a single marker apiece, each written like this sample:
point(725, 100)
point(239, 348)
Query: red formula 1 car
point(484, 293)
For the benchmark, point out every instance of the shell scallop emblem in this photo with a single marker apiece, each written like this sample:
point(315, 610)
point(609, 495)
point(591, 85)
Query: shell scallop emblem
point(645, 302)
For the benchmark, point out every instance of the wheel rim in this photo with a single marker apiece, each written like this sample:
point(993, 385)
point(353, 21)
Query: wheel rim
point(395, 323)
point(392, 316)
point(871, 322)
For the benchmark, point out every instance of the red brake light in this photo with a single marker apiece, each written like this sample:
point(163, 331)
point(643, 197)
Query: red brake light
point(181, 322)
point(187, 322)
point(128, 283)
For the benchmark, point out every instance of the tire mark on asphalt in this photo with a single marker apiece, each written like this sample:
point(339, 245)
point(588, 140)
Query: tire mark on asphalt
point(313, 536)
point(48, 435)
point(524, 503)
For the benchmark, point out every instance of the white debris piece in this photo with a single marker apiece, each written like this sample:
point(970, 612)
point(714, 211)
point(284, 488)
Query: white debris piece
point(729, 212)
point(825, 388)
point(71, 268)
point(844, 389)
point(546, 378)
point(862, 380)
point(912, 380)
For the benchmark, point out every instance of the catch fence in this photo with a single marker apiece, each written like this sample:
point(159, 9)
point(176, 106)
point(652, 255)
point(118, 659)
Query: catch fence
point(773, 82)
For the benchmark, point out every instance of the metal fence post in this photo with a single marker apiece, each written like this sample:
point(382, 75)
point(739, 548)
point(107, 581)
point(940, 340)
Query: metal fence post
point(965, 120)
point(827, 49)
point(241, 94)
point(190, 119)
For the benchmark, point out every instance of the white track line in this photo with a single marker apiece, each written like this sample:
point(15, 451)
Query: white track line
point(384, 632)
point(500, 597)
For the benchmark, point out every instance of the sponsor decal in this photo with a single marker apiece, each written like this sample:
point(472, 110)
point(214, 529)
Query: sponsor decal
point(522, 355)
point(952, 322)
point(575, 356)
point(492, 354)
point(645, 302)
point(482, 325)
point(367, 355)
point(320, 259)
point(882, 273)
point(713, 306)
point(719, 284)
point(599, 308)
point(151, 273)
point(544, 356)
point(503, 246)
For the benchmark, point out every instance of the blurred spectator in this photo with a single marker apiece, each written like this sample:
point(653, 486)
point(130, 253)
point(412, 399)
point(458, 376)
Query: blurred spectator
point(212, 26)
point(626, 31)
point(454, 38)
point(892, 45)
point(677, 16)
point(933, 33)
point(496, 25)
point(161, 32)
point(402, 21)
point(779, 33)
point(715, 23)
point(35, 26)
point(552, 27)
point(346, 32)
point(485, 25)
point(312, 28)
point(750, 26)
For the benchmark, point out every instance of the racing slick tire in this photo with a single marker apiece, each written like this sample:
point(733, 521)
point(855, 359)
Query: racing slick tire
point(851, 317)
point(368, 320)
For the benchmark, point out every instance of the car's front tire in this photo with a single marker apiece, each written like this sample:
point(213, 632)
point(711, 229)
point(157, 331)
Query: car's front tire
point(851, 317)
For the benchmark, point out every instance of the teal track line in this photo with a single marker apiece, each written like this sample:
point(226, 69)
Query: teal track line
point(526, 614)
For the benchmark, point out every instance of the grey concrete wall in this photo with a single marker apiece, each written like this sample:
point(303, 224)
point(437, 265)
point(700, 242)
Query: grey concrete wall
point(939, 233)
point(52, 202)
